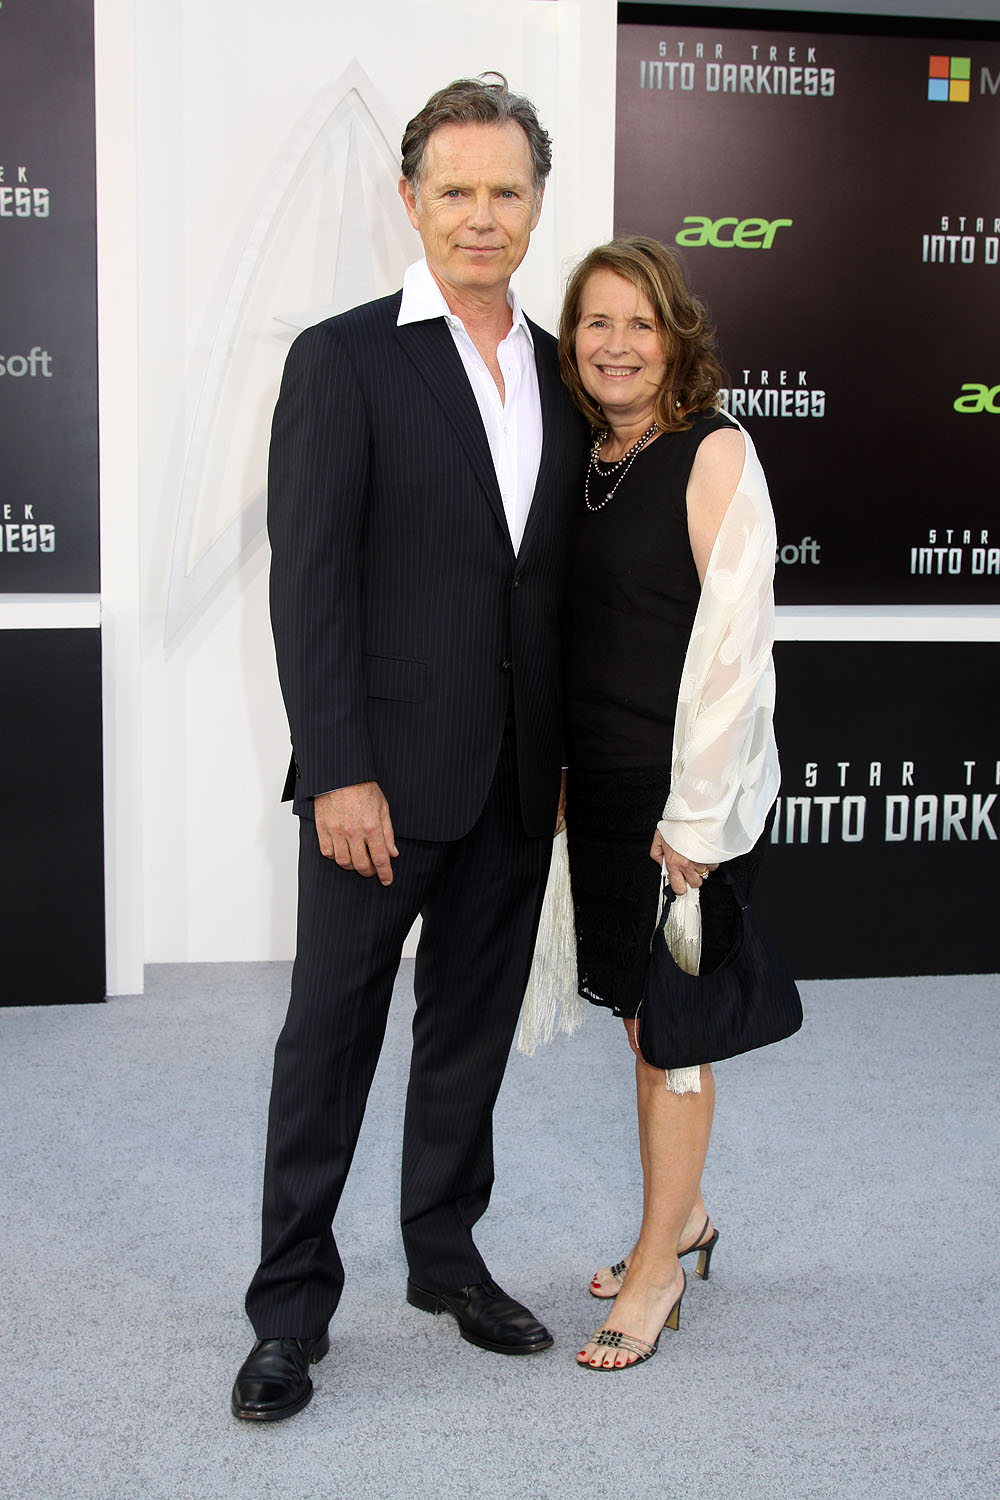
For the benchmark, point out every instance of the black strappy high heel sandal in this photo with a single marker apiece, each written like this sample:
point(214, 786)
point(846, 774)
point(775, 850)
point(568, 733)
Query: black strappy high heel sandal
point(618, 1270)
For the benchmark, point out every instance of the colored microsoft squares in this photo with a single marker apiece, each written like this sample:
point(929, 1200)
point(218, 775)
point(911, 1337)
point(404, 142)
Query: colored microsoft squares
point(948, 80)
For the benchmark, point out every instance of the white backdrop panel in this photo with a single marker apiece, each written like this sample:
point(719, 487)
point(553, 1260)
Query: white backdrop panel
point(267, 161)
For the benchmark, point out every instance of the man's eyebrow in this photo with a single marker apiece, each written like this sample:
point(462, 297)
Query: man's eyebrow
point(449, 184)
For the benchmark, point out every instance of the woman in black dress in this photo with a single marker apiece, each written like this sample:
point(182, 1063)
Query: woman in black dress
point(666, 469)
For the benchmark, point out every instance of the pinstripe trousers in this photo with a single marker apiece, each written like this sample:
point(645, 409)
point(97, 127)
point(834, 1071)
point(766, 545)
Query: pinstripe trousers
point(479, 897)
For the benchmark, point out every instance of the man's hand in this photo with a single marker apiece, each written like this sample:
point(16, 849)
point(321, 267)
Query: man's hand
point(354, 828)
point(681, 872)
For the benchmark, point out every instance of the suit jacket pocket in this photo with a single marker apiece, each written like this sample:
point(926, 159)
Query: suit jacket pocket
point(396, 677)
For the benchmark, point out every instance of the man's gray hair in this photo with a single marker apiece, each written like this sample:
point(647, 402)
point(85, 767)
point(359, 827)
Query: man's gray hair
point(485, 100)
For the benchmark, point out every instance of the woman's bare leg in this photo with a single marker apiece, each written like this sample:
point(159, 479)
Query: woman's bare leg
point(674, 1131)
point(604, 1284)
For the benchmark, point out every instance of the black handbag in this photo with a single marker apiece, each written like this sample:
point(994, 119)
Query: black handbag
point(749, 1001)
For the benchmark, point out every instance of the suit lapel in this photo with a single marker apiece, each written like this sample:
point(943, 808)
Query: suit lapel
point(432, 351)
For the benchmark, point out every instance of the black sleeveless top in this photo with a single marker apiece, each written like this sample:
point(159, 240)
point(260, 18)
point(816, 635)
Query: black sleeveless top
point(633, 595)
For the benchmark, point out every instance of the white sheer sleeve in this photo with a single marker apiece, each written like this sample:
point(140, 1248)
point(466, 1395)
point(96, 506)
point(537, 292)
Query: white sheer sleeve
point(724, 768)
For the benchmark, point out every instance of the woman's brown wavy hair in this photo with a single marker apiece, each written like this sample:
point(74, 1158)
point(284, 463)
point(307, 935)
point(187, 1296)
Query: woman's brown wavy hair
point(694, 376)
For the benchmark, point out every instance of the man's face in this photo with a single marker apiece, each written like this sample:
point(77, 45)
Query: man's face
point(476, 206)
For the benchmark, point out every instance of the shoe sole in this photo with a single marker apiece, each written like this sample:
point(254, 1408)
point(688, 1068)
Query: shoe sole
point(640, 1359)
point(427, 1302)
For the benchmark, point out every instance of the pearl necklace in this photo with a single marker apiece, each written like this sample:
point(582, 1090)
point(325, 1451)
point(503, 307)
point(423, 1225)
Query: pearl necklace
point(627, 458)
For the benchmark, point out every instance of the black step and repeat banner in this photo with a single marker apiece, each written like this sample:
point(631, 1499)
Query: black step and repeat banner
point(832, 186)
point(51, 817)
point(51, 793)
point(48, 294)
point(885, 839)
point(834, 194)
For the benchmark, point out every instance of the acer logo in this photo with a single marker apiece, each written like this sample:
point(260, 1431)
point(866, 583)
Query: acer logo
point(979, 398)
point(731, 234)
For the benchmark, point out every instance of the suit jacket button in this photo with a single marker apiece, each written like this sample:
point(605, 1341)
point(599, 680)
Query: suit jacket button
point(517, 583)
point(505, 666)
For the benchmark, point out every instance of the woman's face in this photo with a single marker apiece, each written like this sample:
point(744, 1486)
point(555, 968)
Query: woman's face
point(619, 349)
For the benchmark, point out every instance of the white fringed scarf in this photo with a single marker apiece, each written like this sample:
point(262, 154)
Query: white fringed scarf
point(724, 763)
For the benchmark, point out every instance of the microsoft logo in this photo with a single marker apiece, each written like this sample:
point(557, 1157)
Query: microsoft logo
point(949, 80)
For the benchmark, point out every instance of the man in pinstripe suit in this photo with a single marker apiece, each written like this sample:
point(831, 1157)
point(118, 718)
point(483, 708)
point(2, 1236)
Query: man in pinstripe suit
point(425, 462)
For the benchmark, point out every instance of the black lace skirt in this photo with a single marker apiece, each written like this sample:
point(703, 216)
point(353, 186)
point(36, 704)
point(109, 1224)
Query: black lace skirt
point(611, 817)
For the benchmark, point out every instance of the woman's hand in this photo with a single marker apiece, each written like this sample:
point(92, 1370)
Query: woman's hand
point(681, 872)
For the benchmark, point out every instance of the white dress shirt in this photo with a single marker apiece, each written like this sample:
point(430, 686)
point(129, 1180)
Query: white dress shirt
point(513, 425)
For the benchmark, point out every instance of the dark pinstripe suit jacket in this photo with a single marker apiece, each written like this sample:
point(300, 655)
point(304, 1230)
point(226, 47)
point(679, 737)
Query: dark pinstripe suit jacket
point(401, 615)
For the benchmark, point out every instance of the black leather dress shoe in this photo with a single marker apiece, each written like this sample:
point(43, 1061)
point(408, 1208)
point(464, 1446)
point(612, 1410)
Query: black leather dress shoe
point(486, 1316)
point(273, 1381)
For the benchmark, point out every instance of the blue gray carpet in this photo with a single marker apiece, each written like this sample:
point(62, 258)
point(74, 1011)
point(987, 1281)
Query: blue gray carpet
point(846, 1345)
